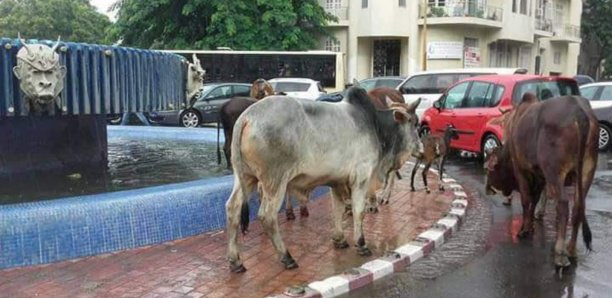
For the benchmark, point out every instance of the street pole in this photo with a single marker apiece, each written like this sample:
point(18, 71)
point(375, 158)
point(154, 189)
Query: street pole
point(424, 37)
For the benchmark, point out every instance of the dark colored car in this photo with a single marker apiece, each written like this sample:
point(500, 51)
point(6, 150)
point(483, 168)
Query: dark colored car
point(600, 96)
point(206, 106)
point(367, 84)
point(583, 79)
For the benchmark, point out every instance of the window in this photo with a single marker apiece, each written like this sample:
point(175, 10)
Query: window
point(367, 84)
point(544, 89)
point(240, 90)
point(589, 92)
point(606, 94)
point(220, 92)
point(290, 86)
point(557, 57)
point(499, 92)
point(332, 44)
point(402, 3)
point(437, 3)
point(364, 3)
point(333, 4)
point(433, 83)
point(524, 7)
point(455, 96)
point(514, 6)
point(479, 95)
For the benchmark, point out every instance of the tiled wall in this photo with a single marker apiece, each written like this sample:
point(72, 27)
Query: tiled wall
point(51, 231)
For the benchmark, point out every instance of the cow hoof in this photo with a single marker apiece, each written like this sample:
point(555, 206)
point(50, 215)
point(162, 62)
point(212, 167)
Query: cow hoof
point(412, 189)
point(441, 188)
point(507, 202)
point(237, 268)
point(372, 210)
point(364, 251)
point(304, 212)
point(562, 261)
point(524, 234)
point(341, 244)
point(288, 261)
point(290, 214)
point(427, 190)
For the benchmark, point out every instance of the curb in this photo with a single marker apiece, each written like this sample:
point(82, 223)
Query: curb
point(393, 261)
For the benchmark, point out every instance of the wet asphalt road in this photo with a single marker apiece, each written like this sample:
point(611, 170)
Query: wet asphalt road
point(485, 259)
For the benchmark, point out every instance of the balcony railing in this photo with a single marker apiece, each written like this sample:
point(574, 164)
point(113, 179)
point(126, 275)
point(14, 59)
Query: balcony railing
point(340, 12)
point(543, 24)
point(567, 30)
point(474, 9)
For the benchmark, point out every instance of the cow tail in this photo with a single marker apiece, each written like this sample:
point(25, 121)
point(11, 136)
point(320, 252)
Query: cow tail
point(218, 139)
point(584, 128)
point(237, 157)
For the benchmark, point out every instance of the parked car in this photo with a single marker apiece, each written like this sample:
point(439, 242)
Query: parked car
point(471, 104)
point(206, 106)
point(298, 87)
point(429, 85)
point(367, 84)
point(583, 79)
point(600, 96)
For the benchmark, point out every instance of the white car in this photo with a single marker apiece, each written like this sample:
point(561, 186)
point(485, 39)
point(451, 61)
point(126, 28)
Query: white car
point(600, 97)
point(298, 87)
point(430, 85)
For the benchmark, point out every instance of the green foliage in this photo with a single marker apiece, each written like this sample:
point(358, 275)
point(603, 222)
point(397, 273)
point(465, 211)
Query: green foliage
point(208, 24)
point(597, 29)
point(73, 20)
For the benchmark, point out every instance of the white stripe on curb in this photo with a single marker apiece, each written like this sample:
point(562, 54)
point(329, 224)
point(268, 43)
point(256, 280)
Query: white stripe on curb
point(449, 180)
point(413, 252)
point(332, 286)
point(379, 268)
point(449, 222)
point(458, 212)
point(435, 235)
point(460, 194)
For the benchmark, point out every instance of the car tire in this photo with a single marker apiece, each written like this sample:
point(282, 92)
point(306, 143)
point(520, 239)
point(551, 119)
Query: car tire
point(605, 132)
point(489, 141)
point(190, 118)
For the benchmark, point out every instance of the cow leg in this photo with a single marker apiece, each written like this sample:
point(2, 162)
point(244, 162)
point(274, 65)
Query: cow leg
point(289, 208)
point(561, 254)
point(233, 207)
point(526, 202)
point(338, 209)
point(371, 203)
point(414, 171)
point(541, 206)
point(389, 183)
point(268, 216)
point(441, 162)
point(303, 197)
point(358, 195)
point(424, 174)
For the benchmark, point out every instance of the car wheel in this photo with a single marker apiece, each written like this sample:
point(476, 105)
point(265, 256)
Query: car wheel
point(425, 130)
point(490, 142)
point(190, 118)
point(604, 137)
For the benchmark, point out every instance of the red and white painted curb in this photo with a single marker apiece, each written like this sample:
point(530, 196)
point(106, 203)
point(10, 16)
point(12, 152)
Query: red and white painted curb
point(393, 261)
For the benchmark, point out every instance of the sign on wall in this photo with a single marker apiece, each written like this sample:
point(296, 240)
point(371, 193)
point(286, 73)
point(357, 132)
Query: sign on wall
point(471, 57)
point(444, 50)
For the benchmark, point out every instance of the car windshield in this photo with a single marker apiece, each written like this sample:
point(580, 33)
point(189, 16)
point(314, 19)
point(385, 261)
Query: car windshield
point(290, 86)
point(545, 89)
point(206, 88)
point(431, 83)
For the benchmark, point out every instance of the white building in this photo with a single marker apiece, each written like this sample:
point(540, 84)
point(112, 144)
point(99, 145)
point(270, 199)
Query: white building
point(384, 37)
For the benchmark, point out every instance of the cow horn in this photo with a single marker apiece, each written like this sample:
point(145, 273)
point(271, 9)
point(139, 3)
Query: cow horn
point(504, 111)
point(23, 42)
point(195, 58)
point(56, 43)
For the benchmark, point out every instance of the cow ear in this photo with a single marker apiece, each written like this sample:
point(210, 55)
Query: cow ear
point(399, 117)
point(16, 72)
point(388, 101)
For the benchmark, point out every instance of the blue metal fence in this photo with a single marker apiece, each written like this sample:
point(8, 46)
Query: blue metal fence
point(102, 79)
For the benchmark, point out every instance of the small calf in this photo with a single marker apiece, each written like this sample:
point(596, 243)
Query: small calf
point(435, 148)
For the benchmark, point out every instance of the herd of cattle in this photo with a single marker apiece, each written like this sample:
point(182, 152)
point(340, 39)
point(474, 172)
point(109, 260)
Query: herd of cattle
point(278, 145)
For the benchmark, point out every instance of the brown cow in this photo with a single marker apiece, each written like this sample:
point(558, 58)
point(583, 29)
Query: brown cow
point(435, 148)
point(549, 145)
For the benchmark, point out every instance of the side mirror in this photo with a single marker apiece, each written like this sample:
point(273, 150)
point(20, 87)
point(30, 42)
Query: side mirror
point(437, 105)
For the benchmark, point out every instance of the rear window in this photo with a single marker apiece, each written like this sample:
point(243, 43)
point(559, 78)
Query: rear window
point(433, 83)
point(290, 86)
point(388, 83)
point(545, 89)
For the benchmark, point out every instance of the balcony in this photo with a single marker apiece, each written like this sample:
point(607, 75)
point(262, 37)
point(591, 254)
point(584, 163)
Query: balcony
point(341, 13)
point(469, 13)
point(543, 27)
point(566, 33)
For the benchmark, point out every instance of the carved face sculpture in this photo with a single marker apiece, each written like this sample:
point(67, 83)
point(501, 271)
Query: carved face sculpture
point(41, 77)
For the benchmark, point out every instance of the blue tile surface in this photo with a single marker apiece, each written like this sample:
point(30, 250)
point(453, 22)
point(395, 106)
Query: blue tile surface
point(50, 231)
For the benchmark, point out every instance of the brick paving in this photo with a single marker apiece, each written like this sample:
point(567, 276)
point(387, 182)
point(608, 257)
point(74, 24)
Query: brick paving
point(196, 266)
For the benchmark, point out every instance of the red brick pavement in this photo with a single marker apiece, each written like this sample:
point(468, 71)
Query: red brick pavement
point(196, 266)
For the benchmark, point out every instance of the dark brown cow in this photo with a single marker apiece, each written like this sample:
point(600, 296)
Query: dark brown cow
point(549, 145)
point(434, 148)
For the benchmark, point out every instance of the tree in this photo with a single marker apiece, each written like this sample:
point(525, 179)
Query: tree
point(73, 20)
point(208, 24)
point(596, 35)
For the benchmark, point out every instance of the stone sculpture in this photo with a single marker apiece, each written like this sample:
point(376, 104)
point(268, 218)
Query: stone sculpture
point(41, 77)
point(195, 79)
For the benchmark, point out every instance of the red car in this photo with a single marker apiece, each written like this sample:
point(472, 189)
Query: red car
point(471, 104)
